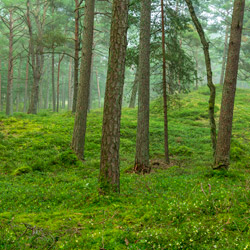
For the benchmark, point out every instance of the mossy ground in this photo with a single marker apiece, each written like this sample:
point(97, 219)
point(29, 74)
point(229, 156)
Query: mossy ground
point(50, 200)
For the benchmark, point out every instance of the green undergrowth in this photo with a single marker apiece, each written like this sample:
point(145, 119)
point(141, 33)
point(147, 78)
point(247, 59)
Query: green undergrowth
point(50, 200)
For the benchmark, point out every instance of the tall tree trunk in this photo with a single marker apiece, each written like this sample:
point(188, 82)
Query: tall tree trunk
point(224, 56)
point(196, 69)
point(78, 139)
point(46, 102)
point(18, 85)
point(76, 59)
point(229, 88)
point(98, 89)
point(109, 178)
point(164, 86)
point(69, 86)
point(9, 98)
point(210, 84)
point(53, 80)
point(142, 136)
point(58, 83)
point(91, 81)
point(134, 90)
point(26, 82)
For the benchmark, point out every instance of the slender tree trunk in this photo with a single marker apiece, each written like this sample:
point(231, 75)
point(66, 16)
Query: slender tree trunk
point(78, 139)
point(224, 56)
point(142, 137)
point(53, 80)
point(210, 84)
point(46, 102)
point(109, 178)
point(76, 59)
point(91, 82)
point(134, 90)
point(164, 86)
point(69, 86)
point(9, 98)
point(58, 83)
point(98, 89)
point(18, 85)
point(26, 82)
point(229, 88)
point(196, 68)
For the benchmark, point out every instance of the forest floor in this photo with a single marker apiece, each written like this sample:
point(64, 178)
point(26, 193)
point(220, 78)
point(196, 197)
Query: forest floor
point(50, 200)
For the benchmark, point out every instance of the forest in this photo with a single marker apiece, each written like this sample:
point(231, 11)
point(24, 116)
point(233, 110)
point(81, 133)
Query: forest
point(124, 124)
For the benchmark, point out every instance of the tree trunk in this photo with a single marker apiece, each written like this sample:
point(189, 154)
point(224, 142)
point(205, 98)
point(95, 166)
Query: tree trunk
point(78, 139)
point(26, 82)
point(9, 98)
point(134, 90)
point(18, 85)
point(58, 83)
point(53, 80)
point(164, 86)
point(69, 86)
point(224, 56)
point(109, 178)
point(142, 136)
point(76, 59)
point(98, 89)
point(210, 84)
point(229, 88)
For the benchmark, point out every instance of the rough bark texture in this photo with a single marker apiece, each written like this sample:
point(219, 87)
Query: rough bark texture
point(134, 90)
point(9, 97)
point(109, 177)
point(210, 84)
point(164, 86)
point(76, 58)
point(142, 136)
point(78, 139)
point(229, 88)
point(224, 56)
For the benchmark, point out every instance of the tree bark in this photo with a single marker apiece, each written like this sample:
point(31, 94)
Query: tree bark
point(164, 86)
point(109, 178)
point(210, 84)
point(134, 90)
point(53, 80)
point(58, 83)
point(224, 56)
point(229, 88)
point(69, 86)
point(26, 82)
point(142, 137)
point(76, 58)
point(18, 85)
point(98, 89)
point(9, 97)
point(78, 139)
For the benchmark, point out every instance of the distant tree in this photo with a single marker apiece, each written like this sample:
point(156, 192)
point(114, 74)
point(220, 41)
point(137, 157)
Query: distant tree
point(109, 178)
point(78, 139)
point(142, 137)
point(229, 88)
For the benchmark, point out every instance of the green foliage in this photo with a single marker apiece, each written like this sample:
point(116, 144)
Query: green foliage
point(187, 206)
point(22, 170)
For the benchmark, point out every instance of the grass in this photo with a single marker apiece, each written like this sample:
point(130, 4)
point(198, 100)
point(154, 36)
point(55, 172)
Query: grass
point(50, 200)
